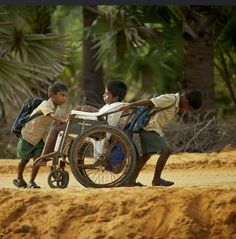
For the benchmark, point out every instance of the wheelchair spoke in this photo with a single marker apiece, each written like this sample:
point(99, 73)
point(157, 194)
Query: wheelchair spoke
point(102, 157)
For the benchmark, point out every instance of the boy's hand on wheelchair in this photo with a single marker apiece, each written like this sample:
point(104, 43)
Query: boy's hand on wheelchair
point(69, 117)
point(62, 121)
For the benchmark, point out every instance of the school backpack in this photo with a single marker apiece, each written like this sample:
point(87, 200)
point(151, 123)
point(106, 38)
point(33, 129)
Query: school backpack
point(24, 115)
point(142, 116)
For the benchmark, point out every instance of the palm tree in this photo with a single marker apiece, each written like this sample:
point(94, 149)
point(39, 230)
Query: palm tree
point(198, 28)
point(132, 47)
point(171, 42)
point(26, 58)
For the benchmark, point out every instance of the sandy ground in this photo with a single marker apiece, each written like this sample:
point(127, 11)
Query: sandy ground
point(201, 204)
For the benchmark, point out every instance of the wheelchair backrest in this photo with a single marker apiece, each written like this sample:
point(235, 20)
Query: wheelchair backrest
point(78, 126)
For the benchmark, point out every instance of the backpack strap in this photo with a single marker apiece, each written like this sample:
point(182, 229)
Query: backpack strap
point(34, 116)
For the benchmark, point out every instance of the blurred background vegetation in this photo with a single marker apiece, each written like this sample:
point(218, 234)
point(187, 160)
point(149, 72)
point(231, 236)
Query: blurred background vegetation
point(153, 49)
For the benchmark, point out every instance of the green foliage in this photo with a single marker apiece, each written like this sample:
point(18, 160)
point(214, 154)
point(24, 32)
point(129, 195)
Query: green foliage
point(28, 59)
point(68, 20)
point(142, 45)
point(136, 44)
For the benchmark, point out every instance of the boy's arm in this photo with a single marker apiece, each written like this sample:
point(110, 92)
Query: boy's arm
point(137, 103)
point(56, 118)
point(47, 109)
point(87, 108)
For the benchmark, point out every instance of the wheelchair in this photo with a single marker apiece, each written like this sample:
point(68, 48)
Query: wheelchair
point(99, 155)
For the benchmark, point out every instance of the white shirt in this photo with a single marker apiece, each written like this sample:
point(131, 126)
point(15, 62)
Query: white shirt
point(114, 118)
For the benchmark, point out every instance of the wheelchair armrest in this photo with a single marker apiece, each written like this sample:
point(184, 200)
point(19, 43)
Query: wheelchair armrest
point(87, 115)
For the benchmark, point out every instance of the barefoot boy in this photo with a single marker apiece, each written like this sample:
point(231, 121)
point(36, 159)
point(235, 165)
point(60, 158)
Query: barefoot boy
point(34, 133)
point(151, 136)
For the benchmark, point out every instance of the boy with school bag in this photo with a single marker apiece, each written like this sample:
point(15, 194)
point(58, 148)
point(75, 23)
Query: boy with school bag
point(151, 128)
point(32, 129)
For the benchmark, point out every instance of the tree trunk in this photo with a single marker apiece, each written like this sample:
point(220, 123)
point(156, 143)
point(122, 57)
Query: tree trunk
point(92, 77)
point(200, 69)
point(200, 75)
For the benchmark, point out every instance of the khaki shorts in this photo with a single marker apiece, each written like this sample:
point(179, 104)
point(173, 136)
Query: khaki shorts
point(152, 142)
point(25, 150)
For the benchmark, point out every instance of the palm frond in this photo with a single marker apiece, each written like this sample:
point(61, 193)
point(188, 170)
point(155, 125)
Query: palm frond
point(227, 33)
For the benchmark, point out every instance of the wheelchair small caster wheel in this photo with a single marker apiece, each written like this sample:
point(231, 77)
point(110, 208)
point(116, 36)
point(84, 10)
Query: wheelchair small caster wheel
point(58, 179)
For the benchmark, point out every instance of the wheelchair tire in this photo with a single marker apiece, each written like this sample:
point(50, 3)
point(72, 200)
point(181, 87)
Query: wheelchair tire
point(99, 173)
point(58, 179)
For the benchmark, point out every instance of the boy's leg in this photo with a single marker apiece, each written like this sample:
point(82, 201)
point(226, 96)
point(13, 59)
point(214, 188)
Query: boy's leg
point(23, 152)
point(34, 173)
point(20, 182)
point(49, 144)
point(157, 181)
point(35, 168)
point(52, 138)
point(152, 142)
point(140, 163)
point(21, 168)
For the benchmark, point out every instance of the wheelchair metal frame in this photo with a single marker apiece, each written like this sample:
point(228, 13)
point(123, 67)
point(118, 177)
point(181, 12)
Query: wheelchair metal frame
point(58, 177)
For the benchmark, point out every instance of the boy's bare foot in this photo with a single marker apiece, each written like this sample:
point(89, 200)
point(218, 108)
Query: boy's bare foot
point(162, 182)
point(135, 184)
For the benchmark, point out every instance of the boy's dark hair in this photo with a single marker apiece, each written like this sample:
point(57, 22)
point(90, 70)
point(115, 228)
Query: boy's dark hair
point(56, 87)
point(117, 88)
point(194, 98)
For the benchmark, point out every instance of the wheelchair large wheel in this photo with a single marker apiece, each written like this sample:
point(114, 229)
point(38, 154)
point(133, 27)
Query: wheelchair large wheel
point(102, 156)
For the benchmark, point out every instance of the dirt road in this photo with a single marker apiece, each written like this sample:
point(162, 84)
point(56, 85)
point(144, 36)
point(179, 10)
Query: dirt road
point(201, 204)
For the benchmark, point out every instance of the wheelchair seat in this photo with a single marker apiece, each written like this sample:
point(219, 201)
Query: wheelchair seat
point(108, 114)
